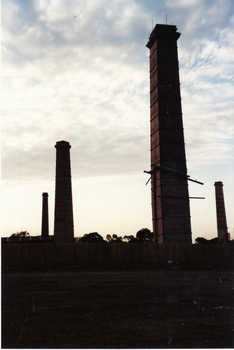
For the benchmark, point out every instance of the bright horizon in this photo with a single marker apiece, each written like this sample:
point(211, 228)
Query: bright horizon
point(79, 71)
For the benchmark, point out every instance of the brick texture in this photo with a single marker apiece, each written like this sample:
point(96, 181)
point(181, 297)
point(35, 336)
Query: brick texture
point(45, 216)
point(220, 212)
point(63, 217)
point(170, 198)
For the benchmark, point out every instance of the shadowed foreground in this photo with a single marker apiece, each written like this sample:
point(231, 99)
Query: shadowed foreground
point(144, 308)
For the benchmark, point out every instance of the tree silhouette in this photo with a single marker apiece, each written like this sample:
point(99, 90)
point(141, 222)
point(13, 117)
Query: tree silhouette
point(142, 236)
point(20, 234)
point(108, 238)
point(130, 239)
point(202, 240)
point(114, 239)
point(145, 235)
point(92, 237)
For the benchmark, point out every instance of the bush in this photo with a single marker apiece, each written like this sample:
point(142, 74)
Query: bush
point(92, 237)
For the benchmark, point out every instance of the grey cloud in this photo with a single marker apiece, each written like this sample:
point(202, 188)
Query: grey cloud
point(87, 78)
point(199, 18)
point(91, 155)
point(91, 27)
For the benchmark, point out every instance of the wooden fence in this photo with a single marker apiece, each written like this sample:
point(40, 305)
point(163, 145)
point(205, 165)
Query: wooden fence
point(37, 255)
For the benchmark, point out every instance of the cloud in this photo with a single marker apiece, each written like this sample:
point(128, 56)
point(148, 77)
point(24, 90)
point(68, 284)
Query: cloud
point(78, 71)
point(199, 18)
point(206, 73)
point(71, 75)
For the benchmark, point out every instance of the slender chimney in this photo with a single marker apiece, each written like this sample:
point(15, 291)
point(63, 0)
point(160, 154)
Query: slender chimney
point(170, 198)
point(45, 216)
point(220, 212)
point(63, 217)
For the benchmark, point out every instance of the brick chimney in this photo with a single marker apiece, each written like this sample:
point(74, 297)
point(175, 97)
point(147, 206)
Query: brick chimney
point(170, 198)
point(45, 216)
point(220, 212)
point(63, 217)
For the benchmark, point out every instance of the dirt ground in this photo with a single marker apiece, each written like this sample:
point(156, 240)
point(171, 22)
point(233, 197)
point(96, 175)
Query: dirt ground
point(118, 308)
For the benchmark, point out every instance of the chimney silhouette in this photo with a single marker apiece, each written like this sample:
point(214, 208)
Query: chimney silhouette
point(45, 216)
point(63, 217)
point(170, 198)
point(220, 212)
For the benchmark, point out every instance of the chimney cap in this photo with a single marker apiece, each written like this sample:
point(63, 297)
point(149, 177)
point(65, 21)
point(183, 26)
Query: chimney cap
point(62, 144)
point(218, 183)
point(163, 31)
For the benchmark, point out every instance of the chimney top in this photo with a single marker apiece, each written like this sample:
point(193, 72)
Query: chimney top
point(62, 144)
point(163, 31)
point(218, 183)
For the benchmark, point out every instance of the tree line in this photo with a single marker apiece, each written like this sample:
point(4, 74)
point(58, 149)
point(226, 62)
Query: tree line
point(142, 236)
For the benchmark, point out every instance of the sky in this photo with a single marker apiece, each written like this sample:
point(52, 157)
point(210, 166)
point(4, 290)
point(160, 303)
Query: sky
point(78, 71)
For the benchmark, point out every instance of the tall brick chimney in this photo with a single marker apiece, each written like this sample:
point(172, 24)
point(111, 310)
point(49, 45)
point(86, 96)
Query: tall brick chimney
point(220, 212)
point(170, 198)
point(45, 216)
point(63, 217)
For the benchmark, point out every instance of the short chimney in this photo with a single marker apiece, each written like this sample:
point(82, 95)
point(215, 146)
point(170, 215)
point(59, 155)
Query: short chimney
point(45, 214)
point(220, 211)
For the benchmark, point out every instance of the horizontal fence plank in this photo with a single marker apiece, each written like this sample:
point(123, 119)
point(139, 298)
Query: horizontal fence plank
point(37, 255)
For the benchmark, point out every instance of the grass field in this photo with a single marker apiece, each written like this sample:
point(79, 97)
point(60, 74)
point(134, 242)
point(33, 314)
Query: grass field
point(118, 308)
